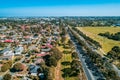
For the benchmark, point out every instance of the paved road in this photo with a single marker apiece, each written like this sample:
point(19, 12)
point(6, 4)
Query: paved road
point(39, 39)
point(91, 71)
point(116, 69)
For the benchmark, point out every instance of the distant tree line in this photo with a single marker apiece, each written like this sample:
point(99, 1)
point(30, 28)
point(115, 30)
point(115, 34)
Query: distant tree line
point(73, 21)
point(92, 21)
point(115, 36)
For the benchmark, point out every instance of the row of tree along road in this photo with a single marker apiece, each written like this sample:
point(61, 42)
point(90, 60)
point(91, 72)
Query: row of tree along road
point(103, 65)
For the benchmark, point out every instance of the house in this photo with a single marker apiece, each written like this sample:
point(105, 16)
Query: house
point(35, 36)
point(33, 70)
point(6, 54)
point(46, 49)
point(49, 39)
point(18, 50)
point(42, 54)
point(56, 33)
point(3, 28)
point(32, 47)
point(25, 27)
point(41, 75)
point(8, 41)
point(6, 58)
point(26, 40)
point(4, 50)
point(47, 45)
point(2, 36)
point(39, 60)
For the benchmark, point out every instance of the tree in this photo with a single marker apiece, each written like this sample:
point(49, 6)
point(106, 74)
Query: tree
point(5, 67)
point(47, 73)
point(113, 75)
point(18, 67)
point(116, 49)
point(56, 53)
point(66, 63)
point(63, 39)
point(66, 52)
point(111, 54)
point(70, 42)
point(10, 63)
point(74, 55)
point(114, 53)
point(75, 66)
point(115, 36)
point(2, 44)
point(7, 77)
point(67, 72)
point(52, 61)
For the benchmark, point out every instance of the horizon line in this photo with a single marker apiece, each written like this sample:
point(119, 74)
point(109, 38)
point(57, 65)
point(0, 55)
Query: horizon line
point(66, 16)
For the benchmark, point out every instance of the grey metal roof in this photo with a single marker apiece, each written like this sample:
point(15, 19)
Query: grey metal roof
point(4, 50)
point(33, 68)
point(18, 48)
point(46, 50)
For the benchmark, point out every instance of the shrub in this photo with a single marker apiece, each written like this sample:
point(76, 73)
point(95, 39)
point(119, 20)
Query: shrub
point(18, 67)
point(7, 77)
point(66, 52)
point(5, 67)
point(66, 63)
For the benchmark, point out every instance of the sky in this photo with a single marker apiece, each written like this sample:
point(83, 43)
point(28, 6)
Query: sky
point(59, 7)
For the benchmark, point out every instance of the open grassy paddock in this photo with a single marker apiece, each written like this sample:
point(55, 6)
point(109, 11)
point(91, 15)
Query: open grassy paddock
point(93, 32)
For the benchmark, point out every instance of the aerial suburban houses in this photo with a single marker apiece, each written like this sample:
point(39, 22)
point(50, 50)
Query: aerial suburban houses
point(52, 48)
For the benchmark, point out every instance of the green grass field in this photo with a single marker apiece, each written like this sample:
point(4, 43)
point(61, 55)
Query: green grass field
point(93, 32)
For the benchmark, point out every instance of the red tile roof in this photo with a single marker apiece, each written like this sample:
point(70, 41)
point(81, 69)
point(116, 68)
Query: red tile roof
point(9, 40)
